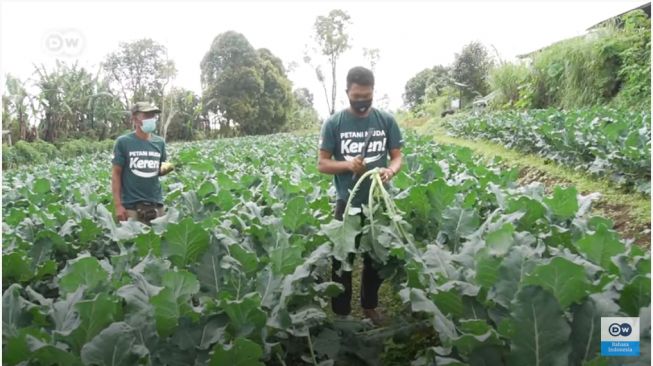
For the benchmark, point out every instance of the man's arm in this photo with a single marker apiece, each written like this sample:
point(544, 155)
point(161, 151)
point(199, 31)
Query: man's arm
point(395, 143)
point(327, 146)
point(395, 161)
point(116, 189)
point(118, 162)
point(165, 167)
point(392, 169)
point(327, 165)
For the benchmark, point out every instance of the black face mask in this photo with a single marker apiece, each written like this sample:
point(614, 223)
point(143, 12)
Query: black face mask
point(360, 106)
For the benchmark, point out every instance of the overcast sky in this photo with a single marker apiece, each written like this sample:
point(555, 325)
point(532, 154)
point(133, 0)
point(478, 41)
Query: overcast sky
point(411, 36)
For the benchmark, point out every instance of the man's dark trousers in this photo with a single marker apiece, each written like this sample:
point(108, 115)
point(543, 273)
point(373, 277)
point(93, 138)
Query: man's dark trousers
point(370, 282)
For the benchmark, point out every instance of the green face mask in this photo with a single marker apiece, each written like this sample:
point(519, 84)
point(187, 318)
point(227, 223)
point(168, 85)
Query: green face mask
point(149, 125)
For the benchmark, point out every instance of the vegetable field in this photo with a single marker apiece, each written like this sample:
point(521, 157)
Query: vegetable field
point(611, 143)
point(238, 271)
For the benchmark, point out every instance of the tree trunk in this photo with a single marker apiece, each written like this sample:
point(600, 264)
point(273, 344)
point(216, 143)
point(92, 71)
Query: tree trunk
point(22, 126)
point(167, 123)
point(333, 87)
point(49, 128)
point(326, 95)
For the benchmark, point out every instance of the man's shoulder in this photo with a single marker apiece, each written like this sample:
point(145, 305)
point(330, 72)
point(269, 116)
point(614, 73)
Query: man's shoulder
point(331, 122)
point(125, 137)
point(335, 117)
point(157, 139)
point(383, 115)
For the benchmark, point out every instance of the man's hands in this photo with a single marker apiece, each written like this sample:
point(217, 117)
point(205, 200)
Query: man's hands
point(326, 165)
point(121, 213)
point(166, 168)
point(386, 174)
point(357, 165)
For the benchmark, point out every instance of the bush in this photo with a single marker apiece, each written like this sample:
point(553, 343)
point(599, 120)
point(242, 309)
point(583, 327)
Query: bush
point(579, 72)
point(509, 81)
point(26, 153)
point(48, 150)
point(74, 148)
point(302, 119)
point(437, 105)
point(39, 152)
point(635, 71)
point(106, 145)
point(608, 66)
point(8, 156)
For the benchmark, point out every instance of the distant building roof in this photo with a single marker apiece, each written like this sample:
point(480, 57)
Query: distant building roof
point(616, 19)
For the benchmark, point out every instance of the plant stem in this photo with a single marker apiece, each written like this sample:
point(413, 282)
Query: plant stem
point(353, 192)
point(310, 347)
point(280, 360)
point(390, 206)
point(370, 206)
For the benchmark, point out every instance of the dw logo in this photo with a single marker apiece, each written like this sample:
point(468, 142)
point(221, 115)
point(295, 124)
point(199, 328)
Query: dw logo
point(620, 336)
point(623, 329)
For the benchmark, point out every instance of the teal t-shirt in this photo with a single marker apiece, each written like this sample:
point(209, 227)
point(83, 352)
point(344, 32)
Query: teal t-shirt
point(343, 134)
point(140, 161)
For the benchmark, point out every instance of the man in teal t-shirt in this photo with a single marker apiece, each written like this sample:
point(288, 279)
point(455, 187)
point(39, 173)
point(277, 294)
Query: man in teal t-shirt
point(137, 159)
point(341, 143)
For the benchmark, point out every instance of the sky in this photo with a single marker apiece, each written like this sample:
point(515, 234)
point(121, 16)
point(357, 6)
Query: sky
point(410, 36)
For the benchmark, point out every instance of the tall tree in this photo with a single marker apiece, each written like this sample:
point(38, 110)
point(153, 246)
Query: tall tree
point(7, 120)
point(276, 101)
point(74, 103)
point(303, 97)
point(231, 80)
point(372, 55)
point(18, 104)
point(107, 114)
point(63, 100)
point(434, 79)
point(472, 67)
point(140, 70)
point(332, 40)
point(185, 123)
point(245, 87)
point(303, 115)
